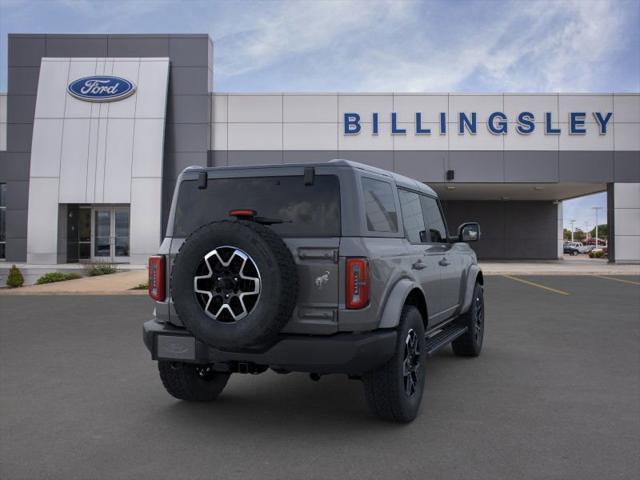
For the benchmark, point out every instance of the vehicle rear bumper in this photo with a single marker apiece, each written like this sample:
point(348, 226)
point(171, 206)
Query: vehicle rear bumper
point(350, 353)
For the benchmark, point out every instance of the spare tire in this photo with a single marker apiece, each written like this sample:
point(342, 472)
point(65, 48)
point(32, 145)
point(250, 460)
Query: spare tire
point(234, 284)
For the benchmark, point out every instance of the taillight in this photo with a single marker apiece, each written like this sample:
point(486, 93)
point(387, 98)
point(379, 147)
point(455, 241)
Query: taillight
point(357, 283)
point(156, 277)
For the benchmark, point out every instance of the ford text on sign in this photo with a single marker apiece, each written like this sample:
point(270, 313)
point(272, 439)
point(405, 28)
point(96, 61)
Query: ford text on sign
point(101, 88)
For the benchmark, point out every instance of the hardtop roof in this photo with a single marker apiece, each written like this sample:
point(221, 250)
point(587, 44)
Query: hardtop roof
point(400, 180)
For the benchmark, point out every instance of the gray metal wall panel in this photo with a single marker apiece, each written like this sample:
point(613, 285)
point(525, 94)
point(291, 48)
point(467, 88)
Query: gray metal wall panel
point(218, 158)
point(430, 166)
point(26, 50)
point(305, 156)
point(611, 224)
point(530, 166)
point(189, 109)
point(16, 250)
point(14, 166)
point(477, 166)
point(76, 46)
point(16, 219)
point(189, 51)
point(510, 230)
point(626, 166)
point(188, 80)
point(22, 81)
point(255, 157)
point(22, 108)
point(586, 166)
point(187, 137)
point(19, 137)
point(138, 46)
point(17, 194)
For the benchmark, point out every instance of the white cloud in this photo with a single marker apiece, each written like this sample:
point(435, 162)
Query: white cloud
point(533, 46)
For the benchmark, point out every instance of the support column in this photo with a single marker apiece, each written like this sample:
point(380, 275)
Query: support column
point(623, 205)
point(560, 236)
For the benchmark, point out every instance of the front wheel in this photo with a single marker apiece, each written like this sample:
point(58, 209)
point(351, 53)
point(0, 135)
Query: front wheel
point(394, 391)
point(469, 344)
point(196, 383)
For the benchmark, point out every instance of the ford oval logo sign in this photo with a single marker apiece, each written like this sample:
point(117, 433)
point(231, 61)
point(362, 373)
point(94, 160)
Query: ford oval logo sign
point(101, 88)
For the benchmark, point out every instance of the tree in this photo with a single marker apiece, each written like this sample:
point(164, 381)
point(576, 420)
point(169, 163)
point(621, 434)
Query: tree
point(578, 235)
point(603, 231)
point(566, 234)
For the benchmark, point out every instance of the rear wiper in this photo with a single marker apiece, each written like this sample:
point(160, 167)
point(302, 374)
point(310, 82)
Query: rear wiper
point(269, 221)
point(247, 214)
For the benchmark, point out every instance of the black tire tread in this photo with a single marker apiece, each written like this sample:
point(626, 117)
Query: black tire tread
point(382, 387)
point(464, 345)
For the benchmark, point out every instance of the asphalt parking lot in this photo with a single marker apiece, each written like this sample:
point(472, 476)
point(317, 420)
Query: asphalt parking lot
point(555, 395)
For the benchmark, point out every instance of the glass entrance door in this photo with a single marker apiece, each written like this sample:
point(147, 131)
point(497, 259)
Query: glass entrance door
point(111, 234)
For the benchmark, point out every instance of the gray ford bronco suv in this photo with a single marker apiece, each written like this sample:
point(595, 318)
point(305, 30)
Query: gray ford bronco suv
point(333, 267)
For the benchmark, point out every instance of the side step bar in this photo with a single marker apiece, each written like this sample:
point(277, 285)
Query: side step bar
point(444, 337)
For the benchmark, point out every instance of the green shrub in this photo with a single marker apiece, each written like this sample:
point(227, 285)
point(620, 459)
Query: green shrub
point(596, 254)
point(15, 278)
point(52, 277)
point(100, 269)
point(141, 286)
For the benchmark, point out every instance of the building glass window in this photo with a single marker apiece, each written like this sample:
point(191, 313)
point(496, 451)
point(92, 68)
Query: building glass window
point(380, 206)
point(433, 219)
point(3, 217)
point(412, 218)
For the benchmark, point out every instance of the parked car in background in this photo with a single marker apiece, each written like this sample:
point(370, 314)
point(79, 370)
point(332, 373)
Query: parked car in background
point(570, 248)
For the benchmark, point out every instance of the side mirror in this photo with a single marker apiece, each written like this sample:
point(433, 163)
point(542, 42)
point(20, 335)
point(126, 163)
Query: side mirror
point(469, 232)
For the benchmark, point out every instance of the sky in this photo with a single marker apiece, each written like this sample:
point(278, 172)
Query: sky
point(377, 45)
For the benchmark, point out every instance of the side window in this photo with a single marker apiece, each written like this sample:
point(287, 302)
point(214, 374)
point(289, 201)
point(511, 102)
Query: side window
point(380, 206)
point(433, 220)
point(412, 218)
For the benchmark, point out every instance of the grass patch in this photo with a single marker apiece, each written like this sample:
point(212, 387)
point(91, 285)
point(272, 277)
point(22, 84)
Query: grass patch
point(53, 277)
point(141, 286)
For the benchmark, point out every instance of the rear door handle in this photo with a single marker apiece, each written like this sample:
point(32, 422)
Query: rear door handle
point(419, 265)
point(444, 262)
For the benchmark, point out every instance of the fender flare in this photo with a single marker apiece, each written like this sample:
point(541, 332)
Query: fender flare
point(396, 299)
point(472, 276)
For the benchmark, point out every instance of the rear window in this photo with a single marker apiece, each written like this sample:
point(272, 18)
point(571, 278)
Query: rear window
point(306, 210)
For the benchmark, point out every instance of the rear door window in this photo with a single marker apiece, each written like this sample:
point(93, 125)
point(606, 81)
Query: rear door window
point(412, 217)
point(437, 232)
point(305, 210)
point(380, 206)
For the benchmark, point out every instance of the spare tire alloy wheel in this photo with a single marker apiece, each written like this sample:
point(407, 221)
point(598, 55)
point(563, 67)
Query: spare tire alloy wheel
point(234, 285)
point(227, 284)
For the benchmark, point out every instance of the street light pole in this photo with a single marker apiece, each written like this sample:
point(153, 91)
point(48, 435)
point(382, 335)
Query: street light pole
point(596, 209)
point(572, 222)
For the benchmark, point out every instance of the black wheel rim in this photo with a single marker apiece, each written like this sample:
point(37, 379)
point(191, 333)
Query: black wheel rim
point(478, 305)
point(411, 363)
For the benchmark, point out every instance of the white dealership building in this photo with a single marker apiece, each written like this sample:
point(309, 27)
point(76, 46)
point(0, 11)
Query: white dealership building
point(94, 130)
